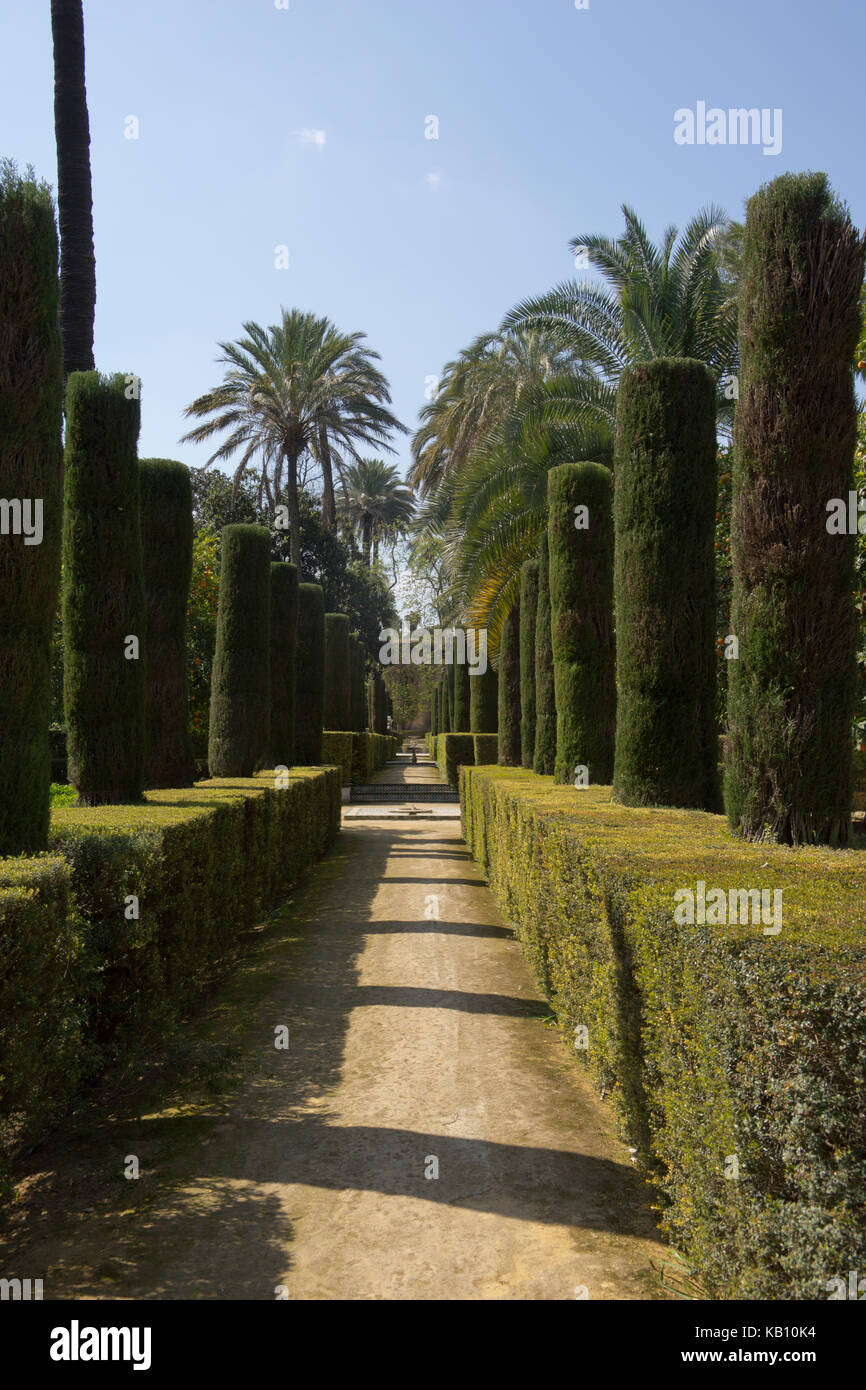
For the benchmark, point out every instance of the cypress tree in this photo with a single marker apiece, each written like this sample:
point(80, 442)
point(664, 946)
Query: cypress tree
point(791, 691)
point(31, 476)
point(509, 690)
point(240, 702)
point(337, 676)
point(483, 701)
point(545, 700)
point(310, 675)
point(284, 643)
point(166, 540)
point(448, 695)
point(104, 611)
point(381, 705)
point(528, 616)
point(461, 696)
point(359, 684)
point(580, 542)
point(665, 510)
point(434, 713)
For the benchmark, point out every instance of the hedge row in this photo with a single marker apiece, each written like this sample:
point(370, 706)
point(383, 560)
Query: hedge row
point(450, 752)
point(737, 1059)
point(107, 941)
point(358, 756)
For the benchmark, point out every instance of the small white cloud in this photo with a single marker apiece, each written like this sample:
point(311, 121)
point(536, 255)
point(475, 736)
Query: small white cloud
point(312, 137)
point(434, 180)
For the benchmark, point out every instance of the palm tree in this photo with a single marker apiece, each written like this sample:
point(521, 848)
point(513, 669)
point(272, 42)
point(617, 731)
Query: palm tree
point(286, 388)
point(74, 194)
point(376, 498)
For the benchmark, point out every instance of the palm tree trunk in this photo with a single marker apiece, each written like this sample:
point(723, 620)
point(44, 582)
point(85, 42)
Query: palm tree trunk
point(74, 193)
point(294, 509)
point(329, 506)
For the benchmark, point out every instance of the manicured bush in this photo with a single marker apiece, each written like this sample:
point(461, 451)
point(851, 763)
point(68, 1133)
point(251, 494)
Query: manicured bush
point(665, 514)
point(528, 615)
point(358, 755)
point(716, 1043)
point(310, 675)
point(460, 711)
point(544, 753)
point(239, 741)
point(358, 672)
point(380, 705)
point(451, 752)
point(791, 694)
point(486, 748)
point(434, 717)
point(448, 698)
point(484, 701)
point(337, 752)
point(337, 674)
point(31, 477)
point(509, 690)
point(166, 542)
point(581, 623)
point(104, 611)
point(98, 986)
point(284, 645)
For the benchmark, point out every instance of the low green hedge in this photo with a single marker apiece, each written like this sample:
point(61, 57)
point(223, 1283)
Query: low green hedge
point(358, 756)
point(450, 752)
point(87, 975)
point(486, 749)
point(723, 1046)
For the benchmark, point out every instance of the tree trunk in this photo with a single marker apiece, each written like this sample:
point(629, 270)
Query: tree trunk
point(294, 509)
point(366, 537)
point(74, 196)
point(329, 506)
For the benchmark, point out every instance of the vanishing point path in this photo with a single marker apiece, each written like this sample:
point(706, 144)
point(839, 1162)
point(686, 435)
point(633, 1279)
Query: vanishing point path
point(425, 1135)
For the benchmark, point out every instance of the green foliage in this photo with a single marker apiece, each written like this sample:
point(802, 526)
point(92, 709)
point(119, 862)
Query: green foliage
point(166, 542)
point(310, 675)
point(357, 755)
point(581, 618)
point(284, 641)
point(201, 626)
point(486, 748)
point(338, 691)
point(509, 689)
point(724, 581)
point(713, 1040)
point(95, 988)
point(665, 516)
point(528, 616)
point(103, 591)
point(240, 709)
point(544, 753)
point(453, 751)
point(31, 474)
point(791, 695)
point(483, 702)
point(461, 696)
point(358, 676)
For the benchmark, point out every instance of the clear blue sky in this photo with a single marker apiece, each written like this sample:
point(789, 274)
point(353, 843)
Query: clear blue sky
point(549, 119)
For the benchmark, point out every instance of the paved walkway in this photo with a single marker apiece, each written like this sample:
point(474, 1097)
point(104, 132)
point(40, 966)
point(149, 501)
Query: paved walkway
point(424, 1136)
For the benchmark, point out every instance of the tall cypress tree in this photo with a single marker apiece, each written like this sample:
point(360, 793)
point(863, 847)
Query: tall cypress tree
point(104, 612)
point(240, 704)
point(358, 672)
point(580, 540)
point(791, 691)
point(665, 512)
point(483, 700)
point(545, 698)
point(509, 690)
point(166, 535)
point(337, 675)
point(528, 615)
point(310, 675)
point(284, 643)
point(461, 696)
point(31, 476)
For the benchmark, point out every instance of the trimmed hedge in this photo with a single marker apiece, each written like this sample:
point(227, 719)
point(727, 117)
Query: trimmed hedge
point(284, 646)
point(718, 1041)
point(166, 542)
point(528, 616)
point(791, 694)
point(665, 515)
point(581, 619)
point(31, 475)
point(358, 675)
point(239, 736)
point(338, 685)
point(486, 748)
point(450, 752)
point(310, 675)
point(103, 592)
point(544, 753)
point(509, 689)
point(358, 755)
point(83, 983)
